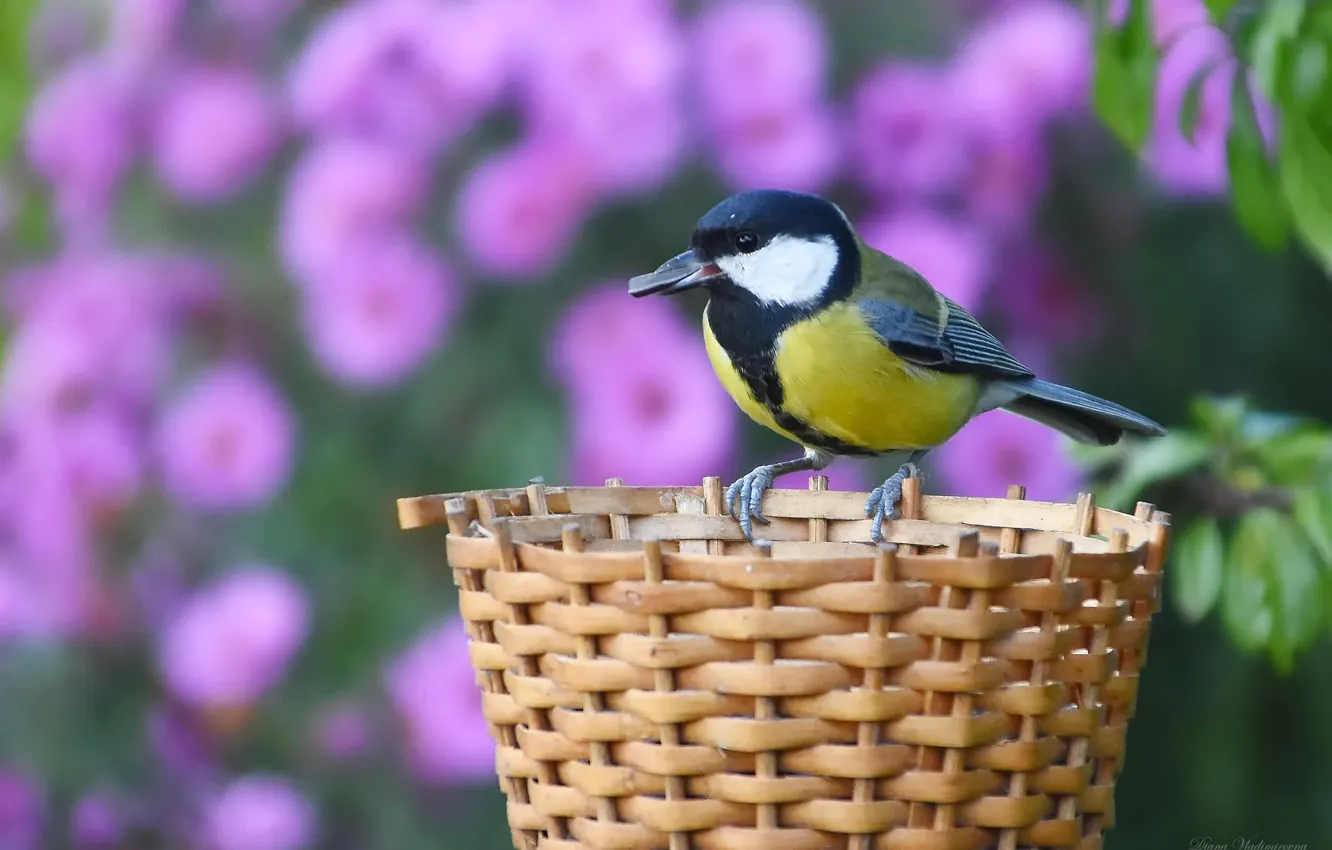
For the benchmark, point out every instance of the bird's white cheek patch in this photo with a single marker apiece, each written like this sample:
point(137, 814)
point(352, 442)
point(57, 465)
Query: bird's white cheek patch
point(787, 270)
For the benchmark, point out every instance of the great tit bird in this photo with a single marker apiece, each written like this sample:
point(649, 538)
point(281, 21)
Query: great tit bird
point(847, 351)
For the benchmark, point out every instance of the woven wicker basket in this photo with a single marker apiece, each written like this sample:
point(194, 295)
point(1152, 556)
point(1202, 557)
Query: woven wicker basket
point(654, 681)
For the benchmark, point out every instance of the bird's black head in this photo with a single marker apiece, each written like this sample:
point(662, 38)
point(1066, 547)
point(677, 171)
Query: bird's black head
point(776, 248)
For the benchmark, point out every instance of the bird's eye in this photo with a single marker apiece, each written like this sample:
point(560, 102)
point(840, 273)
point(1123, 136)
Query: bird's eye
point(746, 242)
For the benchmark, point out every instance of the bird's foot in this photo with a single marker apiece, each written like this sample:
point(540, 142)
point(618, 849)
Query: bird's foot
point(745, 497)
point(884, 499)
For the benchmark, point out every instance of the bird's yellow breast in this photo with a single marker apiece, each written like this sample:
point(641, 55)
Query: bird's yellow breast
point(840, 379)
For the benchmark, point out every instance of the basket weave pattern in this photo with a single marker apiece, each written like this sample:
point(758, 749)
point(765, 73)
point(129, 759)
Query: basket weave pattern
point(652, 680)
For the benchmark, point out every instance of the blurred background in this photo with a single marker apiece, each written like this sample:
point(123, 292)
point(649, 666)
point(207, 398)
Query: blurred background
point(268, 265)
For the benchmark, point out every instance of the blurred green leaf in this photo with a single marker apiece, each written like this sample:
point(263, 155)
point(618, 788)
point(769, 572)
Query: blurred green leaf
point(1306, 174)
point(1297, 456)
point(1308, 73)
point(1220, 417)
point(1255, 188)
point(1244, 591)
point(1313, 511)
point(1267, 53)
point(1124, 84)
point(1296, 603)
point(1199, 566)
point(1218, 9)
point(1155, 460)
point(15, 79)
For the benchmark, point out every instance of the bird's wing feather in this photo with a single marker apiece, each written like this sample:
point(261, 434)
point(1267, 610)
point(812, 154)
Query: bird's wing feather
point(961, 345)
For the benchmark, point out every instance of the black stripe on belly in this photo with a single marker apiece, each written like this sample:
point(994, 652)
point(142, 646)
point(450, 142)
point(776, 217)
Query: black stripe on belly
point(759, 372)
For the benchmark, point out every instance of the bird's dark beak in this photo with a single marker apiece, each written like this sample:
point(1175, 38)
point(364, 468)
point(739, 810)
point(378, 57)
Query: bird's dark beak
point(681, 272)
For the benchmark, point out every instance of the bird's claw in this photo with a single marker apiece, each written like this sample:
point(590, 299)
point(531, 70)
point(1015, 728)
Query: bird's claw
point(883, 500)
point(745, 497)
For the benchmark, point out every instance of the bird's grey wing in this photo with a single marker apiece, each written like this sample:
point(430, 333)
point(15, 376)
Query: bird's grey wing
point(961, 345)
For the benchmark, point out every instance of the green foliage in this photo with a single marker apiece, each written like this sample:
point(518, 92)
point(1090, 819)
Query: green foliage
point(1286, 47)
point(1125, 79)
point(1258, 489)
point(14, 77)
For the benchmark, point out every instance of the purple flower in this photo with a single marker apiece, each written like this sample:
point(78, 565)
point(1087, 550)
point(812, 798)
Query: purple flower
point(178, 741)
point(144, 31)
point(520, 208)
point(81, 135)
point(794, 150)
point(260, 812)
point(96, 822)
point(1025, 64)
point(260, 15)
point(998, 449)
point(1042, 301)
point(433, 689)
point(1198, 168)
point(645, 403)
point(215, 132)
point(233, 640)
point(951, 255)
point(608, 85)
point(102, 459)
point(759, 58)
point(89, 328)
point(227, 442)
point(342, 732)
point(1006, 177)
point(413, 72)
point(21, 812)
point(374, 319)
point(1170, 18)
point(906, 137)
point(341, 192)
point(847, 474)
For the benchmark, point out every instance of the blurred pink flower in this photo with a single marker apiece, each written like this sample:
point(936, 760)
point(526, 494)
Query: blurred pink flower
point(342, 732)
point(144, 31)
point(88, 328)
point(1198, 168)
point(256, 14)
point(433, 689)
point(758, 58)
point(178, 741)
point(520, 209)
point(103, 459)
point(1026, 63)
point(234, 639)
point(412, 72)
point(227, 442)
point(997, 449)
point(847, 474)
point(644, 402)
point(609, 85)
point(951, 255)
point(794, 150)
point(1043, 302)
point(343, 191)
point(260, 812)
point(82, 135)
point(1006, 176)
point(96, 822)
point(1170, 18)
point(906, 138)
point(215, 132)
point(21, 812)
point(375, 318)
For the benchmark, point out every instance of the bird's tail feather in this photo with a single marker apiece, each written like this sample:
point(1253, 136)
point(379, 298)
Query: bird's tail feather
point(1082, 416)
